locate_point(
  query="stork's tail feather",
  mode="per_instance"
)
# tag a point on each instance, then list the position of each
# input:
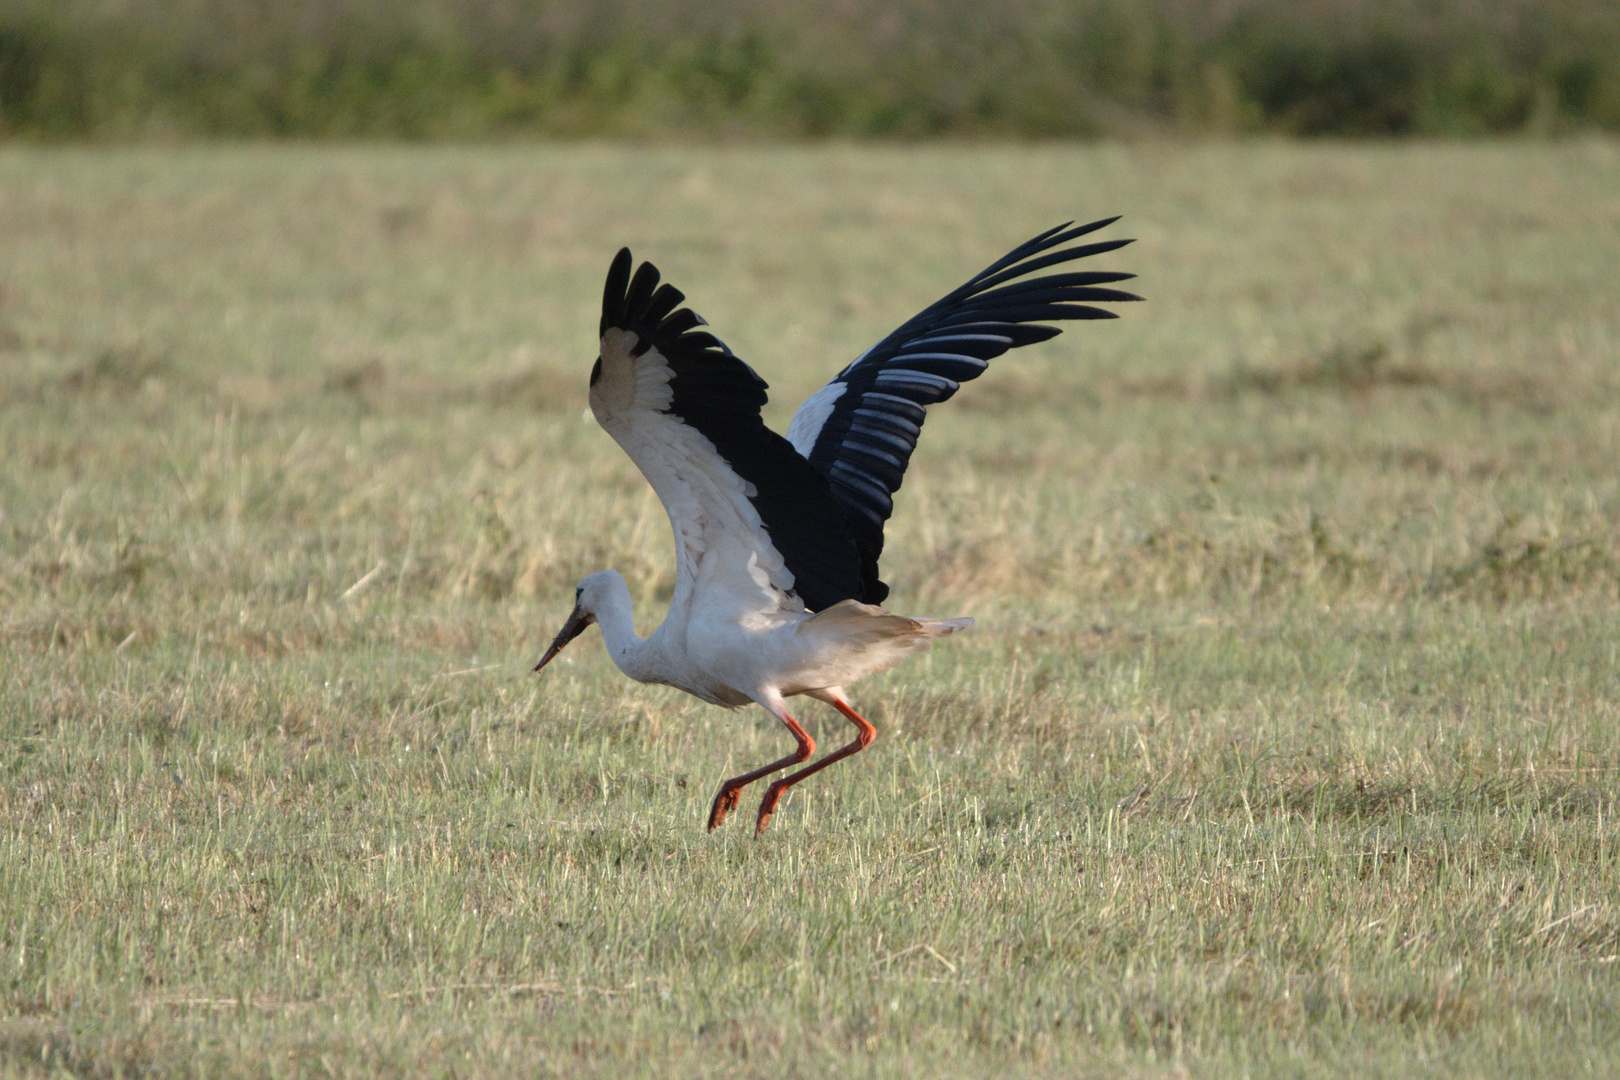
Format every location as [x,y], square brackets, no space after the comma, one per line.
[856,623]
[855,640]
[941,627]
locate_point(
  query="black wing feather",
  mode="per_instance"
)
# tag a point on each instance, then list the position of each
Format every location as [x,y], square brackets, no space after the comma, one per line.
[720,396]
[865,443]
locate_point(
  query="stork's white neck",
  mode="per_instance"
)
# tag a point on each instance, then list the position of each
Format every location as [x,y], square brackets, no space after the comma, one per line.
[614,614]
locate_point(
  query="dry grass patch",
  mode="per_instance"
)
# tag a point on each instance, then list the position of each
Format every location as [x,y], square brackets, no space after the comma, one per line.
[1287,742]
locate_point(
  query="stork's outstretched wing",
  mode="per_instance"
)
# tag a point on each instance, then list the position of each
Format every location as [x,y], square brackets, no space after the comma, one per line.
[859,430]
[753,521]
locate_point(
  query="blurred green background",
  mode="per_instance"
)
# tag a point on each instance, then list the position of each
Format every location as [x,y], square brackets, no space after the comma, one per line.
[474,69]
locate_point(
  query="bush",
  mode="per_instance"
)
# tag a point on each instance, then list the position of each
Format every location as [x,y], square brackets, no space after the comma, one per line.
[1027,68]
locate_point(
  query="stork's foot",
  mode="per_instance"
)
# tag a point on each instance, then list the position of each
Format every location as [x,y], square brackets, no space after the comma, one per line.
[724,803]
[767,805]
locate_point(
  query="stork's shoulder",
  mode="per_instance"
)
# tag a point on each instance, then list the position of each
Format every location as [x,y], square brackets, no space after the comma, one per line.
[627,383]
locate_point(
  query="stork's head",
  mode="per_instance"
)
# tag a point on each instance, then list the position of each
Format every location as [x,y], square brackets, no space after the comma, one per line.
[591,596]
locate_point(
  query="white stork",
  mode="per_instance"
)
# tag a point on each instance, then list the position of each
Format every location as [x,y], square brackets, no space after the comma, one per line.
[777,539]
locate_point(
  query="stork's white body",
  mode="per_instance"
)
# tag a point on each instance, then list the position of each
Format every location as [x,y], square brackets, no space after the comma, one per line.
[735,632]
[777,540]
[730,657]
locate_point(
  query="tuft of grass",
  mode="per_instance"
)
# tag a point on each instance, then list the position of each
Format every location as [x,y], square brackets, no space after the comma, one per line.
[1287,743]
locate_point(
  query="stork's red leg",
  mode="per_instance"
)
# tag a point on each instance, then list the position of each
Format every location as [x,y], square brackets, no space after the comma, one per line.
[864,734]
[726,801]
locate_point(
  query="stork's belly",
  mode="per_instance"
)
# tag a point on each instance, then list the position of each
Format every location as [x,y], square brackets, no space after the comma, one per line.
[724,695]
[714,693]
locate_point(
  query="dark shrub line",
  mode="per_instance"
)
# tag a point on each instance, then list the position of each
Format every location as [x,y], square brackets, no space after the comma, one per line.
[861,68]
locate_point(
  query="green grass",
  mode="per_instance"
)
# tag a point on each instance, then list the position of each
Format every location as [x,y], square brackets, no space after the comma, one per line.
[1287,743]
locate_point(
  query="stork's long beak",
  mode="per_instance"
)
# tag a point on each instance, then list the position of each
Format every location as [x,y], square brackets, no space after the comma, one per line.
[575,626]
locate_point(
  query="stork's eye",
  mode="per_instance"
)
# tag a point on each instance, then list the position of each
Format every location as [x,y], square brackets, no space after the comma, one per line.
[596,371]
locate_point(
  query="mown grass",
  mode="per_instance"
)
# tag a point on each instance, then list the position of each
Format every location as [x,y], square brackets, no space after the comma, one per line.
[1287,743]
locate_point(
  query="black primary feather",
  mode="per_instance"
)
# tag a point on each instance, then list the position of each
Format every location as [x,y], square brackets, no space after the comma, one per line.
[865,443]
[720,396]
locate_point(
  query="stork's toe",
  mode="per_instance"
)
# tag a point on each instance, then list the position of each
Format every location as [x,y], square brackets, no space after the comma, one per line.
[767,805]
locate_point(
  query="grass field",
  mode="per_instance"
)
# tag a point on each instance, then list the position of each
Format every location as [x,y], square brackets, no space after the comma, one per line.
[1287,743]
